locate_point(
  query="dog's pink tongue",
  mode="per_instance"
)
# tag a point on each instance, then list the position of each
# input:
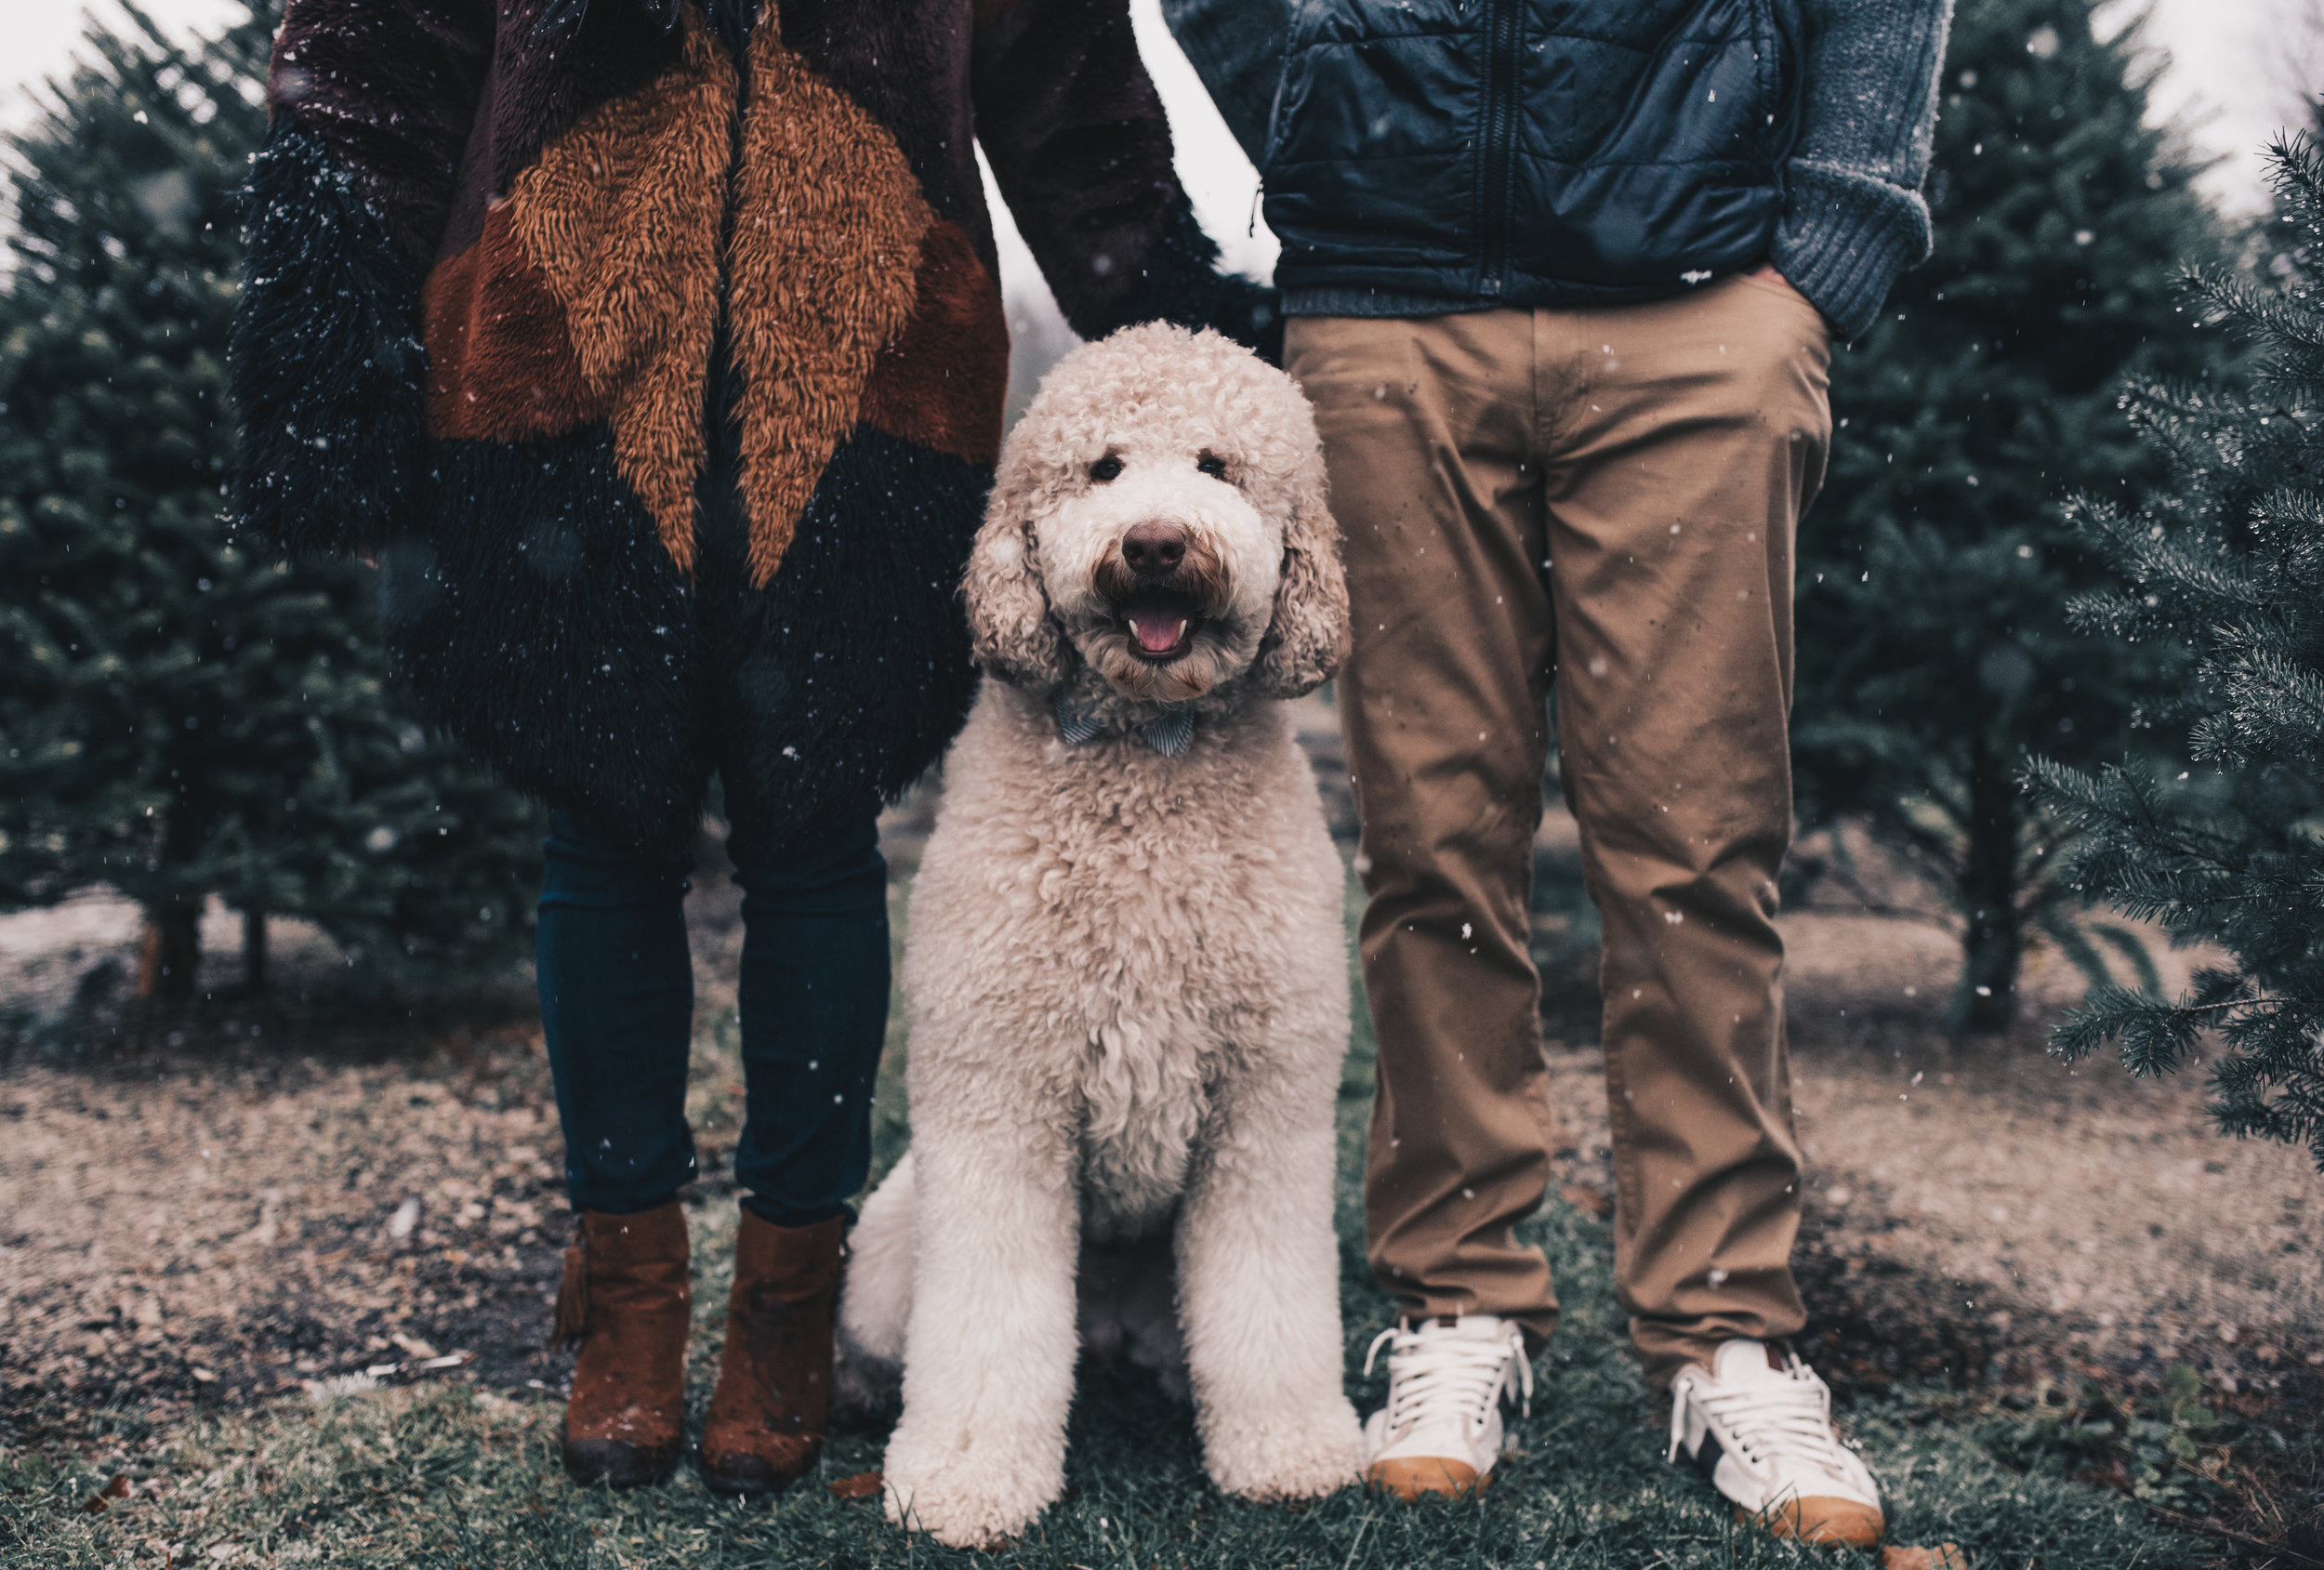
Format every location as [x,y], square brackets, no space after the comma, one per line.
[1157,631]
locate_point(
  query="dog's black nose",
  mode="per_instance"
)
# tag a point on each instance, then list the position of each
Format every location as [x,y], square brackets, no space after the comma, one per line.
[1153,550]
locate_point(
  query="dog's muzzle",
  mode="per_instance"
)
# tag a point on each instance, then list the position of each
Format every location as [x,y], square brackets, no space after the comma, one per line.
[1163,582]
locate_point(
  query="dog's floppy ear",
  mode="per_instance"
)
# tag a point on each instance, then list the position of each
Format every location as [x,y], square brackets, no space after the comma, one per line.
[1308,636]
[1012,635]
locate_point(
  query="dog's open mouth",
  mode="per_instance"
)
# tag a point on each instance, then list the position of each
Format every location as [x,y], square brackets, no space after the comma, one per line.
[1162,625]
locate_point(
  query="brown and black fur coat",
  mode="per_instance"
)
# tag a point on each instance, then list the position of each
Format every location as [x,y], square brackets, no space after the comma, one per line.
[656,349]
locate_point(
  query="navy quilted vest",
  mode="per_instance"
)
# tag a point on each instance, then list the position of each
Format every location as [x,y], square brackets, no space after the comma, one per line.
[1529,152]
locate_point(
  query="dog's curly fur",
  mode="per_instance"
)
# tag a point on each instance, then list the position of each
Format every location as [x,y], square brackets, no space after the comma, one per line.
[1127,977]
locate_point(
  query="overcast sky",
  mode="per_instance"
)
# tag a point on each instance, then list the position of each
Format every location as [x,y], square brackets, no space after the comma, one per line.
[2234,75]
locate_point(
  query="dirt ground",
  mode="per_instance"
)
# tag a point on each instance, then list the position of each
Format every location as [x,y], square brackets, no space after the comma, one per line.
[333,1184]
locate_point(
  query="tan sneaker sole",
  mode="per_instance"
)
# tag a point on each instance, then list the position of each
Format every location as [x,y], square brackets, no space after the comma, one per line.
[1818,1519]
[1411,1477]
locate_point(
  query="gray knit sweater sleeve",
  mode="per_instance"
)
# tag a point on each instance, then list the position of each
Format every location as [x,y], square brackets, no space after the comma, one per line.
[1854,216]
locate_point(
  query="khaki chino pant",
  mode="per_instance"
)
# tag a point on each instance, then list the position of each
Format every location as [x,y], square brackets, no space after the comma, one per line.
[1604,499]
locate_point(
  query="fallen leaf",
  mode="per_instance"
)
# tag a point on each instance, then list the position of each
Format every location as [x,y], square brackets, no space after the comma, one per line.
[863,1486]
[413,1344]
[1944,1556]
[1589,1199]
[116,1489]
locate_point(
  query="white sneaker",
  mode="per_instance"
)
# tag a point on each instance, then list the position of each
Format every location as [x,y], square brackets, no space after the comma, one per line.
[1759,1426]
[1441,1430]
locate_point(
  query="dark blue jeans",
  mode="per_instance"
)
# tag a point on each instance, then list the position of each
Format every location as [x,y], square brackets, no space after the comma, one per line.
[617,1007]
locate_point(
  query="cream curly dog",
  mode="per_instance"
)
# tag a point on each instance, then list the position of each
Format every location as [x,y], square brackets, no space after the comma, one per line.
[1127,977]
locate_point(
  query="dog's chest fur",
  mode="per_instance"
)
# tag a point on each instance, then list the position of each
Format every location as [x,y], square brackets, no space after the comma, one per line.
[1172,892]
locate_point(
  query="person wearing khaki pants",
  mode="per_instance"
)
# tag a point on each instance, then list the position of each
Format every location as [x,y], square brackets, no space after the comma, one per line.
[1600,503]
[1563,279]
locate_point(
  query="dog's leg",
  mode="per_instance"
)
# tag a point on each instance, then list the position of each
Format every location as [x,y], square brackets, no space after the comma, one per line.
[989,1348]
[1259,1283]
[876,1297]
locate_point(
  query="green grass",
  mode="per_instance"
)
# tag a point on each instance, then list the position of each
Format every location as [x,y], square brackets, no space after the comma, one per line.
[450,1476]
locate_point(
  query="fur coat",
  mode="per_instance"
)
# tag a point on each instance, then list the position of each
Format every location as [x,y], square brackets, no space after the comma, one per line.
[655,350]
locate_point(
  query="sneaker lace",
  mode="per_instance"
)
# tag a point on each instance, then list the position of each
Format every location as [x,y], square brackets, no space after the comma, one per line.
[1466,1374]
[1789,1420]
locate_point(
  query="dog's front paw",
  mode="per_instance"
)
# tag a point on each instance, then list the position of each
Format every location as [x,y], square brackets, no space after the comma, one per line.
[982,1497]
[1286,1454]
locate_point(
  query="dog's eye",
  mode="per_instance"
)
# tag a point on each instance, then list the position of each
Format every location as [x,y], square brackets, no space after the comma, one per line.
[1106,470]
[1212,465]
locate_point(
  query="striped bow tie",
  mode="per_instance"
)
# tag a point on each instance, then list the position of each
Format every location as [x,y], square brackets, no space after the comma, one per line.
[1167,736]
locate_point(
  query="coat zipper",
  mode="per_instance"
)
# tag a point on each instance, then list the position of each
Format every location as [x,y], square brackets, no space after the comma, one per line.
[1500,136]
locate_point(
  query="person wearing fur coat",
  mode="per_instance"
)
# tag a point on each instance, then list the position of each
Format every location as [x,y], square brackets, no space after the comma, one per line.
[654,351]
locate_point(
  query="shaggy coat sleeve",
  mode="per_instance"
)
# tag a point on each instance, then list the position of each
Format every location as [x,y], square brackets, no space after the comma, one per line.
[370,105]
[1081,152]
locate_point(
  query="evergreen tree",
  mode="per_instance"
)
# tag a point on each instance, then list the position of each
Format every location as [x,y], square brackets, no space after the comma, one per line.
[2227,562]
[181,714]
[1933,651]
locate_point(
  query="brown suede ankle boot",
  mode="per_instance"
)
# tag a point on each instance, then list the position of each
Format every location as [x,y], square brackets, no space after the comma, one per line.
[767,1415]
[627,1300]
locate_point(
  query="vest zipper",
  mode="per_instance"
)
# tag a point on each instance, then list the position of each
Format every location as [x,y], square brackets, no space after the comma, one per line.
[1500,136]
